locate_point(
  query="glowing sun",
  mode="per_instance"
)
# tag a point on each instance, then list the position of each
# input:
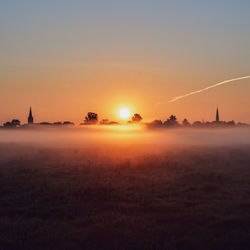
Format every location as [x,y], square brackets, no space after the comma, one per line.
[124,113]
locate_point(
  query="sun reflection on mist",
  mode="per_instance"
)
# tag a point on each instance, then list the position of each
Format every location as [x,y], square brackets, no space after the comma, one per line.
[125,128]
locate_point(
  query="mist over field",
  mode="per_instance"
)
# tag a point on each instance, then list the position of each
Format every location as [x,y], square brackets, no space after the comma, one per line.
[119,143]
[124,188]
[89,136]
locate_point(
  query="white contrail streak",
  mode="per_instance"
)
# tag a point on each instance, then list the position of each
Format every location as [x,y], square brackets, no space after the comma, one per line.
[207,88]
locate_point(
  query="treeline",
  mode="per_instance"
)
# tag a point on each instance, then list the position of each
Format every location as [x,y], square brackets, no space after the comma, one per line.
[172,122]
[93,119]
[15,123]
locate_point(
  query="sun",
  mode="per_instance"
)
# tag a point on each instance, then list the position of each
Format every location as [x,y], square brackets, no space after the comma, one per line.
[124,113]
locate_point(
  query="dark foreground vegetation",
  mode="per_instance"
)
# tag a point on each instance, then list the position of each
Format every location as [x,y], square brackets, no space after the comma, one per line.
[185,198]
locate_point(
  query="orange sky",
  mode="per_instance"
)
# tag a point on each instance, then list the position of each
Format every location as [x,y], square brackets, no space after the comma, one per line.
[100,58]
[68,93]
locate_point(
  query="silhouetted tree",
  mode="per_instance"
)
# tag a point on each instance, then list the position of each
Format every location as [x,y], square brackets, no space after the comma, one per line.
[155,124]
[231,123]
[13,124]
[171,121]
[172,118]
[7,124]
[197,124]
[136,118]
[91,118]
[186,123]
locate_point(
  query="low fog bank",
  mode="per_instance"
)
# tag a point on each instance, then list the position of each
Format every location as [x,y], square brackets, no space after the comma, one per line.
[89,137]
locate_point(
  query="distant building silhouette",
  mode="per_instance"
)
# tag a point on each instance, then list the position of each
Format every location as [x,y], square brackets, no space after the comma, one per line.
[217,115]
[30,118]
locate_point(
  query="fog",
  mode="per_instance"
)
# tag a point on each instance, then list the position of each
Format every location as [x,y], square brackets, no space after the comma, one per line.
[127,136]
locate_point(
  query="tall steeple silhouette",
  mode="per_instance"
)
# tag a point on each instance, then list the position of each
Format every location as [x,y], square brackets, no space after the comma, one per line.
[217,115]
[30,118]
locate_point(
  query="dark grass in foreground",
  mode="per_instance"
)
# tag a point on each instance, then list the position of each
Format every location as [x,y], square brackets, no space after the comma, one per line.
[184,198]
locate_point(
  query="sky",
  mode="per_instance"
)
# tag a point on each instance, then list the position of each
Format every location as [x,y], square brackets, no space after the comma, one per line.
[67,57]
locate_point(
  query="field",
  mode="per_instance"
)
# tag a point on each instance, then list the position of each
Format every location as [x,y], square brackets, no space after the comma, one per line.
[118,197]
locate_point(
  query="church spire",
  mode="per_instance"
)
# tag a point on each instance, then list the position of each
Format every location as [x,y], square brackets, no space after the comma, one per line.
[30,118]
[217,115]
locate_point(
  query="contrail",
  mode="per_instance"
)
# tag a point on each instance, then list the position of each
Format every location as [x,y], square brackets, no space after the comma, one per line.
[207,88]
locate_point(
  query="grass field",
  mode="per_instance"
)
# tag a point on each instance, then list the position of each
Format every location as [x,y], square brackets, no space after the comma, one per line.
[185,197]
